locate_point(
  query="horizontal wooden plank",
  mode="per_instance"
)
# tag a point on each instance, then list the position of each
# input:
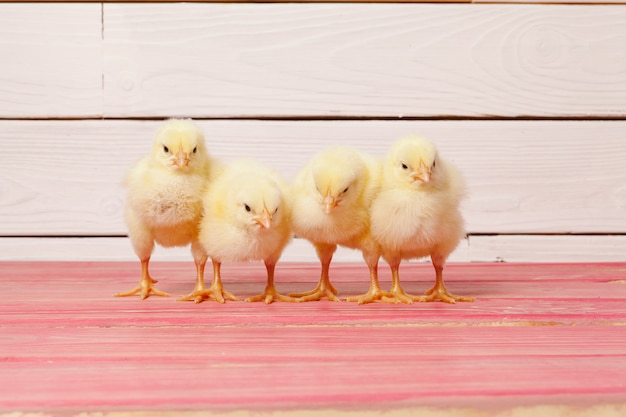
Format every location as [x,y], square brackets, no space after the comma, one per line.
[404,69]
[392,60]
[565,2]
[51,67]
[120,249]
[371,381]
[64,177]
[537,334]
[257,1]
[563,248]
[503,248]
[600,2]
[519,296]
[507,406]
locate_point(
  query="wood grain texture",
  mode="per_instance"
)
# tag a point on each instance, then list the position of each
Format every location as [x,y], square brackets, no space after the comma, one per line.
[390,60]
[538,334]
[51,67]
[500,248]
[557,248]
[523,176]
[120,249]
[564,2]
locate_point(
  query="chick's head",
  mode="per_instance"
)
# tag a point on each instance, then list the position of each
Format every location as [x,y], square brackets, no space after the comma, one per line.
[179,145]
[338,177]
[257,204]
[412,161]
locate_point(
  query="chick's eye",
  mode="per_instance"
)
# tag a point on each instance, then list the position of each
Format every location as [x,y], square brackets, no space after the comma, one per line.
[346,190]
[405,166]
[166,149]
[247,207]
[195,149]
[434,163]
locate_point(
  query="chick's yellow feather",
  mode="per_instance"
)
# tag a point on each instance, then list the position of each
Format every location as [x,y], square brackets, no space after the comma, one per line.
[331,200]
[164,198]
[237,203]
[247,217]
[417,211]
[332,194]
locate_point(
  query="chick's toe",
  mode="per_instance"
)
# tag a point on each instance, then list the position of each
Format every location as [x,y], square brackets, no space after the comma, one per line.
[440,293]
[270,295]
[376,295]
[144,289]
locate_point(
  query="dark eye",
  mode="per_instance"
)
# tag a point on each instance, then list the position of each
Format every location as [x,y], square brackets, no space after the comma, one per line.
[405,166]
[434,163]
[195,149]
[346,190]
[247,207]
[166,149]
[276,211]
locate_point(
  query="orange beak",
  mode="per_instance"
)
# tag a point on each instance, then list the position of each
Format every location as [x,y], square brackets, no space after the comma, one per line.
[422,175]
[329,204]
[264,219]
[182,160]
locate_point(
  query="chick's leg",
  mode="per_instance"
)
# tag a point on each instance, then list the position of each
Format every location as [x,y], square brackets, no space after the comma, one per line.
[215,292]
[324,288]
[146,284]
[374,293]
[439,290]
[396,293]
[271,294]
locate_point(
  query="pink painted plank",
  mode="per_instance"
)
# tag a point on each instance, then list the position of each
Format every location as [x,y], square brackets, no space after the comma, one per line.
[81,294]
[67,344]
[308,342]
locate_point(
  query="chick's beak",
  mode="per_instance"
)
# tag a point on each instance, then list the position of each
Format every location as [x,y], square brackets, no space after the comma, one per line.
[264,219]
[182,159]
[329,204]
[422,175]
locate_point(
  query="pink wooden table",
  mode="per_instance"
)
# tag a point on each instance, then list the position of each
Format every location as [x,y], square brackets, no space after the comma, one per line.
[550,335]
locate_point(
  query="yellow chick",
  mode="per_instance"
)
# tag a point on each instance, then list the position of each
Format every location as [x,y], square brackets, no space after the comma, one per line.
[164,201]
[247,217]
[331,200]
[416,213]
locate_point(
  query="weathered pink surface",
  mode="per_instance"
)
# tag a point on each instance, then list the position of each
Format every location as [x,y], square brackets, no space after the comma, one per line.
[537,333]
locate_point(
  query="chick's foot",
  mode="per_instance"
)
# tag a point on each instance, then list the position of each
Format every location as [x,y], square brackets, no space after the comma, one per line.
[323,290]
[372,296]
[270,295]
[440,293]
[319,294]
[397,296]
[219,295]
[144,289]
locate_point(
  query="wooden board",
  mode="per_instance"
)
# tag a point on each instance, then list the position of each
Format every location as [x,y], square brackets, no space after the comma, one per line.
[328,60]
[64,177]
[51,67]
[538,334]
[551,248]
[500,248]
[337,60]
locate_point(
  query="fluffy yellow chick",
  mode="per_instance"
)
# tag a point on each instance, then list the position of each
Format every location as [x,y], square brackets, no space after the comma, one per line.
[247,217]
[416,213]
[331,200]
[164,201]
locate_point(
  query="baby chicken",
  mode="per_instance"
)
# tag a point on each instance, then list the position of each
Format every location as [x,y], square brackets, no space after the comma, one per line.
[247,217]
[331,200]
[164,201]
[416,213]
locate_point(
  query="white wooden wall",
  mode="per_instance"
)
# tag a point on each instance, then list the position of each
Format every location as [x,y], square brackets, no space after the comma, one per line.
[528,100]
